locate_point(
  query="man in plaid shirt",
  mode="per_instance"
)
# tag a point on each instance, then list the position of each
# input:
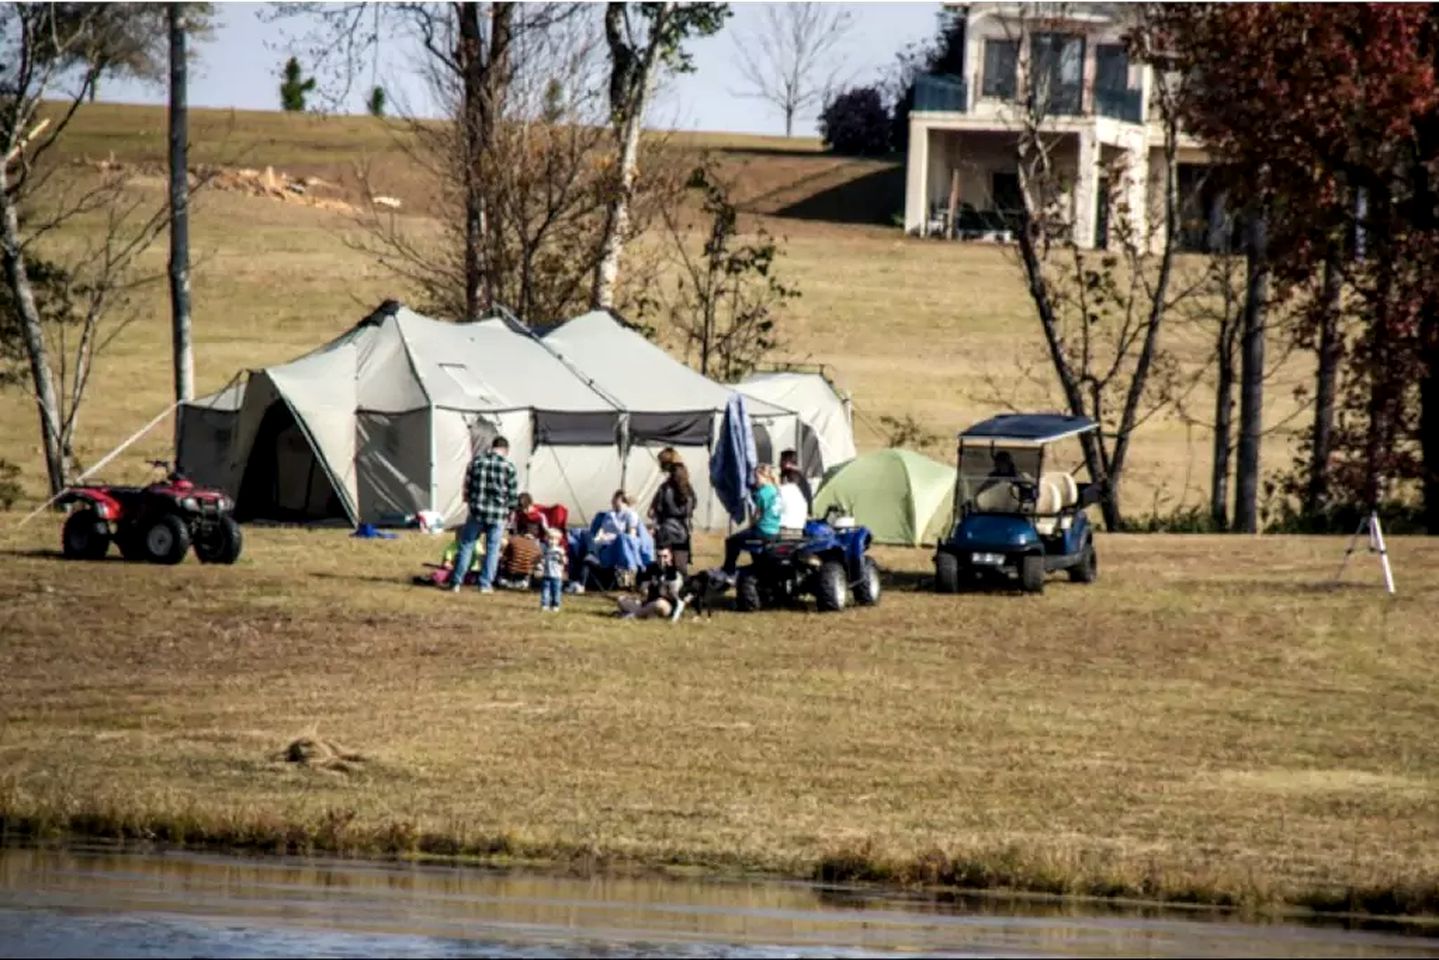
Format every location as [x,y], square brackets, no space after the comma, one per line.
[491,490]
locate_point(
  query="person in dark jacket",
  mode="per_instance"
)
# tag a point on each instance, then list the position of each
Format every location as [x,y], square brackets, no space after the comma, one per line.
[672,512]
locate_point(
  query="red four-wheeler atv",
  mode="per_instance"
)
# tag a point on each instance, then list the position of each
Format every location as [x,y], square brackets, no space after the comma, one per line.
[157,524]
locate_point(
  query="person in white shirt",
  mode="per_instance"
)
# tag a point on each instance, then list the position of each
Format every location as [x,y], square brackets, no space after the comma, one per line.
[793,507]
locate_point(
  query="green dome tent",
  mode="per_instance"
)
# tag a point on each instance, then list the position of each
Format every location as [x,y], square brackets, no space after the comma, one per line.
[904,498]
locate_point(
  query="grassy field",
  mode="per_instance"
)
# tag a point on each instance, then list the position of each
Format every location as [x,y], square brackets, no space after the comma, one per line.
[910,327]
[1208,723]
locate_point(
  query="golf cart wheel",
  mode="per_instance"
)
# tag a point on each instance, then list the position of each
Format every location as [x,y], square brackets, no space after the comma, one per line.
[746,590]
[946,573]
[82,539]
[167,540]
[224,546]
[831,587]
[1031,573]
[1087,569]
[866,589]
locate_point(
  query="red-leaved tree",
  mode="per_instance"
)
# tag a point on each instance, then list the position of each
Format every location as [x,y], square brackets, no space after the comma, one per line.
[1331,116]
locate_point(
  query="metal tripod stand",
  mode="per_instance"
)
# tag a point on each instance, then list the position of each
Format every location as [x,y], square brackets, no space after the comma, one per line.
[1370,526]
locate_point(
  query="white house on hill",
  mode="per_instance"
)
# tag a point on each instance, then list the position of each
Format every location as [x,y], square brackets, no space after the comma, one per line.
[962,158]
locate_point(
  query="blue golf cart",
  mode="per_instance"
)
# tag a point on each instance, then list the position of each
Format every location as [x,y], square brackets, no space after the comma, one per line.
[1019,512]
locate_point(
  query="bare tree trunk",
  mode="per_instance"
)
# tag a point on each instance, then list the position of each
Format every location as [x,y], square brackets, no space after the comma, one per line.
[471,59]
[179,216]
[789,120]
[628,116]
[46,400]
[1325,385]
[1223,431]
[1251,375]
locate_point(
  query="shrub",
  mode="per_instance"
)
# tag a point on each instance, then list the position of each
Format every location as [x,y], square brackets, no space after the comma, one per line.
[855,123]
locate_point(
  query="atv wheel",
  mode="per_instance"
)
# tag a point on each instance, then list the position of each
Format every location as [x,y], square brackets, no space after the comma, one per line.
[1031,573]
[866,590]
[167,540]
[946,573]
[82,539]
[1087,569]
[747,595]
[224,546]
[831,587]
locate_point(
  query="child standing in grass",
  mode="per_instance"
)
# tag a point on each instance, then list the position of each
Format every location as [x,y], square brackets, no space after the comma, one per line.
[552,569]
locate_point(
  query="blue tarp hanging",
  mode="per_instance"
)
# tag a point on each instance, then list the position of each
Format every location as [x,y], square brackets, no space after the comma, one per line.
[734,460]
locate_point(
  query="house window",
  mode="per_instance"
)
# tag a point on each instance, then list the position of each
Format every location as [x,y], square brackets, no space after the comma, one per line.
[1111,67]
[1057,71]
[1001,61]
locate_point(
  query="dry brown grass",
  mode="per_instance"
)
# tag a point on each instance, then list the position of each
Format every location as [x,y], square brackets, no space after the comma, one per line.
[1208,723]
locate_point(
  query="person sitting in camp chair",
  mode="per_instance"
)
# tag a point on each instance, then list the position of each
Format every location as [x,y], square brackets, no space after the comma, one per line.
[615,548]
[528,527]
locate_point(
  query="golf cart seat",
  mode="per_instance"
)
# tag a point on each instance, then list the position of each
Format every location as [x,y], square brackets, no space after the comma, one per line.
[1068,487]
[1047,507]
[999,498]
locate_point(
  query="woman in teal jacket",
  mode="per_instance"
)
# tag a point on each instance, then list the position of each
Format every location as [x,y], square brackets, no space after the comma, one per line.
[766,522]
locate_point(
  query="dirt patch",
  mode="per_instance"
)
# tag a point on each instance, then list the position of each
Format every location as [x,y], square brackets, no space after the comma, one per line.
[309,191]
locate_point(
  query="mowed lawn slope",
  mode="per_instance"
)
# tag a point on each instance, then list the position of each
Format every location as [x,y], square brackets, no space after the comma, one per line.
[912,328]
[1209,722]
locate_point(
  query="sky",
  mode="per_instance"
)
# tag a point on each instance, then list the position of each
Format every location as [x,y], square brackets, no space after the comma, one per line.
[240,67]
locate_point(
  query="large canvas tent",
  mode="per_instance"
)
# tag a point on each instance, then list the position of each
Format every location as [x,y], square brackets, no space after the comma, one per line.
[667,404]
[903,497]
[826,424]
[380,423]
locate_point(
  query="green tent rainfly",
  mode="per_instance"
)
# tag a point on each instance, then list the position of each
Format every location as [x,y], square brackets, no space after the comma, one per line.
[904,498]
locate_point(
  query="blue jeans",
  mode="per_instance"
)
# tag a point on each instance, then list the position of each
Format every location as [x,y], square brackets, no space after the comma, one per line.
[550,593]
[468,535]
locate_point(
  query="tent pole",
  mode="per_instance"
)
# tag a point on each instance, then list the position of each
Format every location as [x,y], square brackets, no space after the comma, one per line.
[434,480]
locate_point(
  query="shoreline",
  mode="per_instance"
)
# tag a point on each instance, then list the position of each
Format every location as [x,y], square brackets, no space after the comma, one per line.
[1002,875]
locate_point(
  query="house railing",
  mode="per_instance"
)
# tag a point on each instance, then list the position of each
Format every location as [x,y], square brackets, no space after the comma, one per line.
[1126,105]
[940,93]
[947,93]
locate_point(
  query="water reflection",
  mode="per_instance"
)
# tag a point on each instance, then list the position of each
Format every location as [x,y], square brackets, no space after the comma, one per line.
[98,901]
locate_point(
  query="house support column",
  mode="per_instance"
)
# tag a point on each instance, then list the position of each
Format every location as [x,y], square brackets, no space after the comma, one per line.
[1136,176]
[1086,190]
[916,178]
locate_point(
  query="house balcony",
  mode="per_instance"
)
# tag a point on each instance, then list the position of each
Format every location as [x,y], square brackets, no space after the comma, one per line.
[1126,105]
[946,93]
[940,93]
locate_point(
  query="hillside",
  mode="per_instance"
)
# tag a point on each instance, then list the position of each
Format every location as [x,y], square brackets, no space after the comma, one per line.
[940,332]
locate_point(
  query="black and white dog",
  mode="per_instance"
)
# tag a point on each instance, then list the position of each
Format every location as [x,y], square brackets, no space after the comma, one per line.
[702,591]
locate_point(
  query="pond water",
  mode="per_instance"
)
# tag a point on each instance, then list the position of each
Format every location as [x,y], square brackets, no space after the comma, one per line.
[96,901]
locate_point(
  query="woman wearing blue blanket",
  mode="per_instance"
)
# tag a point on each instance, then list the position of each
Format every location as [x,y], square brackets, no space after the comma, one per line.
[617,541]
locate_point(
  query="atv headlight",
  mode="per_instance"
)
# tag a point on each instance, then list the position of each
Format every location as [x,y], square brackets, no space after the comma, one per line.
[102,510]
[224,504]
[190,503]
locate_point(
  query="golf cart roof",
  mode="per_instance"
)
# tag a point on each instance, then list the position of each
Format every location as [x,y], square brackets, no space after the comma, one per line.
[1028,429]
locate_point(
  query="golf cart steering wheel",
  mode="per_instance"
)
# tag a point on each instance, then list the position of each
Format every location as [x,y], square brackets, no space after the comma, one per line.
[1025,491]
